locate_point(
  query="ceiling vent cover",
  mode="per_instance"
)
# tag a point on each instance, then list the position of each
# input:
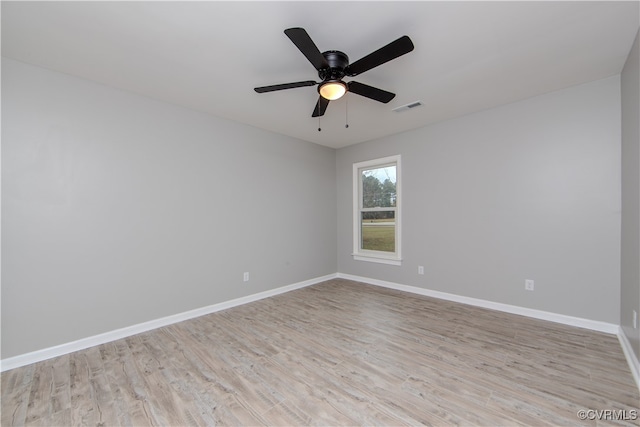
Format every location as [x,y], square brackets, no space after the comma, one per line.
[409,106]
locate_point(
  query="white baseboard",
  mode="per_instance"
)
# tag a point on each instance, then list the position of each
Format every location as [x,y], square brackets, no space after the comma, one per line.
[59,350]
[81,344]
[595,325]
[632,360]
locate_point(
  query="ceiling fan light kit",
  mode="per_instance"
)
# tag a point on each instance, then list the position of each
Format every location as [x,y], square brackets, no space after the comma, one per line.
[332,66]
[332,90]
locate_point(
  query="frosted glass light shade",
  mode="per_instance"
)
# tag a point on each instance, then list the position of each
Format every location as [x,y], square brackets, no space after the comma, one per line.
[333,90]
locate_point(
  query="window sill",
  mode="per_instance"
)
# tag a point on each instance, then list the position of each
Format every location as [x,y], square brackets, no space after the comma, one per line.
[377,259]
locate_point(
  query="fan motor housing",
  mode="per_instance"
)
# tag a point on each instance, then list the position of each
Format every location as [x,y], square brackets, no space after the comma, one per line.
[337,61]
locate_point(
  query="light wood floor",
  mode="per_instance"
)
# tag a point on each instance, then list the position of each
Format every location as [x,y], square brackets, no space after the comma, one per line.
[337,353]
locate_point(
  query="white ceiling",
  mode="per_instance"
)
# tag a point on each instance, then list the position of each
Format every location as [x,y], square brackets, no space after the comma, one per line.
[208,56]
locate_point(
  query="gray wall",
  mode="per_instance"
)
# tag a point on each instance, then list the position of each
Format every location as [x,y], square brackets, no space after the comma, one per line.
[118,209]
[630,263]
[530,190]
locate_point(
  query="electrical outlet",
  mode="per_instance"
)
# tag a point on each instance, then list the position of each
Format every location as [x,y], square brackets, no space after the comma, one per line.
[635,319]
[246,276]
[529,285]
[420,269]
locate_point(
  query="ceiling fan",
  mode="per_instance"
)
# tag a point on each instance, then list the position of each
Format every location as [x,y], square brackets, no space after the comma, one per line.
[333,65]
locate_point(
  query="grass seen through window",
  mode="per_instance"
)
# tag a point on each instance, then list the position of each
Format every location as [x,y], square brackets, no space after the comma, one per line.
[379,235]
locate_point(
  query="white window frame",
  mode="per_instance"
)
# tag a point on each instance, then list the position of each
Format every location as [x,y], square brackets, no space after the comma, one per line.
[359,254]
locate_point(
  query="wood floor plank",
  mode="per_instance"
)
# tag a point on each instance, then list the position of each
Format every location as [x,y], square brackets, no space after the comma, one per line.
[39,407]
[112,370]
[83,407]
[124,376]
[163,404]
[336,353]
[61,392]
[15,396]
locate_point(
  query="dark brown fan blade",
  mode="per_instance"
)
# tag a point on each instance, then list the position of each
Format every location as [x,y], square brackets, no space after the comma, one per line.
[384,54]
[301,39]
[370,92]
[321,107]
[271,88]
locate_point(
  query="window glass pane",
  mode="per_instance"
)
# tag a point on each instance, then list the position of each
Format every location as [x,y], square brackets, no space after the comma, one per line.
[378,231]
[379,187]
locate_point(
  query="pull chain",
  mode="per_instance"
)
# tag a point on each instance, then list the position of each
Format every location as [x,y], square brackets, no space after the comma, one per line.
[346,110]
[319,128]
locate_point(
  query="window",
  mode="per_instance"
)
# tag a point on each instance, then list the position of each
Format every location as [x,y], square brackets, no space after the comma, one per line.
[376,210]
